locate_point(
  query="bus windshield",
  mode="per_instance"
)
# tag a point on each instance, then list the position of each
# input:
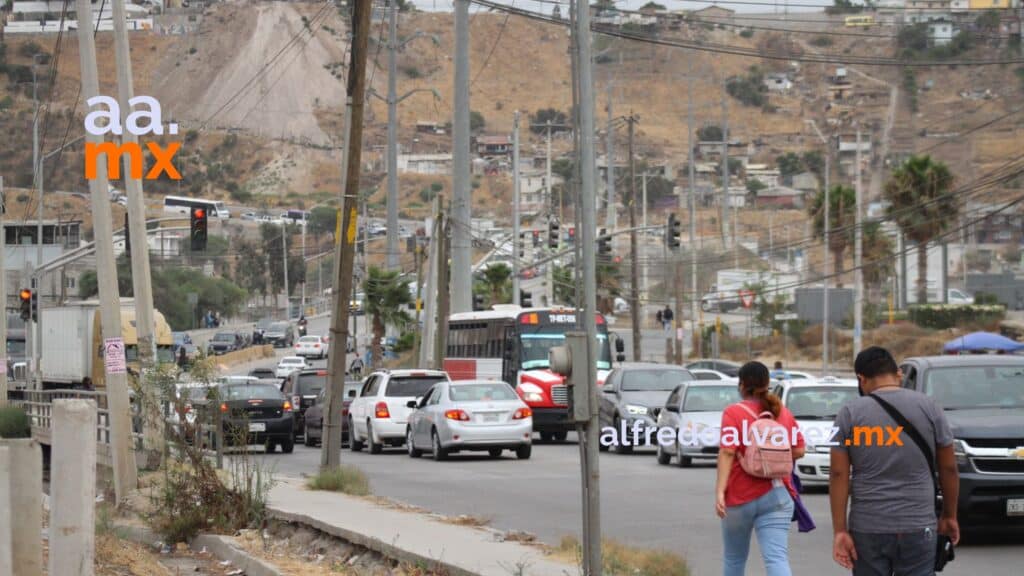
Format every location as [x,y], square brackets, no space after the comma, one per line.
[535,342]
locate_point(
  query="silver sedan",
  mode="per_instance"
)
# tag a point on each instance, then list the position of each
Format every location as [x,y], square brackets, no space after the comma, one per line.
[482,415]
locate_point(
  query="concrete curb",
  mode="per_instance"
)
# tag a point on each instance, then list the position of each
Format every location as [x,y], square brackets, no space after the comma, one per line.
[221,547]
[385,549]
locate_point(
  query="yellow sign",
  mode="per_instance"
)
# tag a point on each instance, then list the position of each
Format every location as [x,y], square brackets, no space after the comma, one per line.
[351,235]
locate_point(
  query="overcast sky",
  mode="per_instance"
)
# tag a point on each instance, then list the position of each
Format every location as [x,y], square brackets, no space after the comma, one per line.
[762,6]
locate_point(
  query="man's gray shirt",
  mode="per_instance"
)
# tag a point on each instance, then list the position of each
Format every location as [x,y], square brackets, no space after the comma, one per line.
[891,489]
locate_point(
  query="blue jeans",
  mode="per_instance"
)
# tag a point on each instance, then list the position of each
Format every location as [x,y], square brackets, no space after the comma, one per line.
[770,515]
[906,554]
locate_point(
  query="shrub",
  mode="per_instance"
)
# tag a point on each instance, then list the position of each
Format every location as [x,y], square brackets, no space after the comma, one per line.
[14,423]
[985,298]
[821,41]
[746,33]
[405,342]
[347,479]
[942,316]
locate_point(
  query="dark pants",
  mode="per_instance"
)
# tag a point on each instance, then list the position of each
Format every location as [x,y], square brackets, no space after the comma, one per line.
[904,554]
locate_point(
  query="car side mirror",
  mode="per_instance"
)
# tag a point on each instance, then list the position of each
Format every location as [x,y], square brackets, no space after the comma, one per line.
[608,389]
[672,408]
[412,404]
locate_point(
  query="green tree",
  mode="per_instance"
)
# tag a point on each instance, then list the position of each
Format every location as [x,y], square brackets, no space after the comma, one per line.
[498,280]
[539,119]
[653,6]
[842,207]
[922,205]
[878,249]
[814,162]
[386,301]
[323,220]
[476,121]
[273,249]
[789,164]
[709,133]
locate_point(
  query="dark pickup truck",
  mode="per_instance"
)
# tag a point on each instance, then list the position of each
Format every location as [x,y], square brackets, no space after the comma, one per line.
[983,398]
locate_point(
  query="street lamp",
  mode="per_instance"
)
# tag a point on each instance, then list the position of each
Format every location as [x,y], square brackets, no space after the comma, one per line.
[825,275]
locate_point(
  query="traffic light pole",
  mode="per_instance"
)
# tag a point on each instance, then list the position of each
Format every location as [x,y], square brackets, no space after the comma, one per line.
[515,208]
[3,296]
[634,250]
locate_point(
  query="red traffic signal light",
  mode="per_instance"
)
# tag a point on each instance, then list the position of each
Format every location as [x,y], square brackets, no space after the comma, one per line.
[26,294]
[199,213]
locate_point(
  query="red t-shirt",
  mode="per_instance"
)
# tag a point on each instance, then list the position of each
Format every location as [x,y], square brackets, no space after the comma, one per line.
[743,487]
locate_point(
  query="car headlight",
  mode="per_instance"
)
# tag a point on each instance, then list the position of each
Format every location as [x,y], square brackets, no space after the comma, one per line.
[634,410]
[531,392]
[960,451]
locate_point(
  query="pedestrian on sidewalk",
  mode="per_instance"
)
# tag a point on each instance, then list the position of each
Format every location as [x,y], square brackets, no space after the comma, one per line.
[659,318]
[667,317]
[356,367]
[746,502]
[778,373]
[891,526]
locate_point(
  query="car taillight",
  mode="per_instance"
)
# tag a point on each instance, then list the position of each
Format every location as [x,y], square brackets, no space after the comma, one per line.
[456,415]
[381,410]
[287,406]
[223,407]
[316,345]
[522,413]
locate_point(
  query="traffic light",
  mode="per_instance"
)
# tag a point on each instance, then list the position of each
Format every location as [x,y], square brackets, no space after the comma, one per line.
[604,243]
[26,304]
[673,230]
[525,299]
[198,229]
[554,233]
[522,245]
[478,302]
[572,235]
[127,236]
[35,306]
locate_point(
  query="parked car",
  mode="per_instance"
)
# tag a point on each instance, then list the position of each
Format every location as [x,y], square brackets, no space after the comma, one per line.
[705,374]
[302,387]
[311,347]
[290,364]
[236,379]
[695,407]
[224,342]
[814,404]
[257,414]
[380,413]
[314,421]
[263,373]
[469,415]
[730,369]
[280,334]
[635,392]
[983,398]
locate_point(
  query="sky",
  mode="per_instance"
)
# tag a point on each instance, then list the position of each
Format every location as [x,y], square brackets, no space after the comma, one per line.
[755,6]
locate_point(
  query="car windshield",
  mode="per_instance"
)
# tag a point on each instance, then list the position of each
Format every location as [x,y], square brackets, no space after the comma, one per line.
[483,392]
[310,339]
[411,386]
[535,346]
[707,376]
[965,387]
[709,398]
[278,327]
[292,361]
[311,384]
[654,379]
[15,348]
[819,402]
[251,392]
[224,337]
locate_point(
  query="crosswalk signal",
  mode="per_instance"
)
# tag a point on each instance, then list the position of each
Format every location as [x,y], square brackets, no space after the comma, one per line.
[673,231]
[35,306]
[554,233]
[526,299]
[26,304]
[198,227]
[604,243]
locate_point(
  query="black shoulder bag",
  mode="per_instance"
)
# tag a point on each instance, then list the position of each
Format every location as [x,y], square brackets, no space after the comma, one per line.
[944,552]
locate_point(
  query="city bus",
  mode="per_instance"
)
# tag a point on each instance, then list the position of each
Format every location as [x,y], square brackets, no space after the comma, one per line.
[863,20]
[511,344]
[182,205]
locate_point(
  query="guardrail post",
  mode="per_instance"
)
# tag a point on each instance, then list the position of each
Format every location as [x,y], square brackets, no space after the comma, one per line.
[73,488]
[24,477]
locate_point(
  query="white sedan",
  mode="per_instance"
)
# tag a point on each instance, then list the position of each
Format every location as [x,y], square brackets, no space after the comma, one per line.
[311,347]
[290,364]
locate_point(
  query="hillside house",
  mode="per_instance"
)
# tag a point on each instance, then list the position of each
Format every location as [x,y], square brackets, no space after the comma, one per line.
[533,191]
[941,32]
[712,150]
[425,163]
[493,145]
[805,182]
[780,197]
[59,238]
[427,127]
[776,82]
[997,227]
[763,174]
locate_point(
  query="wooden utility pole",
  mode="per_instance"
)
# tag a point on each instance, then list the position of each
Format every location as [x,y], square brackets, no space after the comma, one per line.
[634,252]
[331,453]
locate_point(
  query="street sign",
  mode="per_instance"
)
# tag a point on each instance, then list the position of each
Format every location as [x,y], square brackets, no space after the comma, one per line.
[787,316]
[747,298]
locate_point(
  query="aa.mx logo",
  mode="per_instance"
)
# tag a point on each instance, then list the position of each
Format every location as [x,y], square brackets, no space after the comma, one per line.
[140,122]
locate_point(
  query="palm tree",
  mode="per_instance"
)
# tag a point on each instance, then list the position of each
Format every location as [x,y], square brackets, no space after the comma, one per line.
[922,206]
[842,202]
[386,300]
[496,277]
[878,249]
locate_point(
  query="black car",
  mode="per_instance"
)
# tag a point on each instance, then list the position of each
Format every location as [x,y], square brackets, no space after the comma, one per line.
[314,427]
[983,399]
[224,342]
[280,334]
[264,374]
[637,392]
[302,388]
[256,413]
[730,369]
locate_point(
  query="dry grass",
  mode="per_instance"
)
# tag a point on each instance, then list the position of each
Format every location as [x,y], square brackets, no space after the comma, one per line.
[116,557]
[618,558]
[467,520]
[347,479]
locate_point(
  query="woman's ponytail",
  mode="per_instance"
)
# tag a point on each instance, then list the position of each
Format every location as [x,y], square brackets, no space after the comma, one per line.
[754,378]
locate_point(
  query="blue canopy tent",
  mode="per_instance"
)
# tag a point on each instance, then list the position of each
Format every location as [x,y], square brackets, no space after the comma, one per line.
[982,342]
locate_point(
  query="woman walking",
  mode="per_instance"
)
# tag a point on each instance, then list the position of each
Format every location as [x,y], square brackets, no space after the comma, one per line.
[754,490]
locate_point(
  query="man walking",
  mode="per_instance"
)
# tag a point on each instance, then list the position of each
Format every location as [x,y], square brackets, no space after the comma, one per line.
[890,528]
[666,317]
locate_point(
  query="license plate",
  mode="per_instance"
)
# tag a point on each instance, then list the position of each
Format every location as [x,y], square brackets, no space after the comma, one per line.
[257,427]
[1015,507]
[490,417]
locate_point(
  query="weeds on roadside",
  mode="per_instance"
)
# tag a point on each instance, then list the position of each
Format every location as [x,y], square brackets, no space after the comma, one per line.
[347,479]
[618,558]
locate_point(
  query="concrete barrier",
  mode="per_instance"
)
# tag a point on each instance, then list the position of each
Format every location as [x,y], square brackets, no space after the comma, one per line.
[244,355]
[25,483]
[73,488]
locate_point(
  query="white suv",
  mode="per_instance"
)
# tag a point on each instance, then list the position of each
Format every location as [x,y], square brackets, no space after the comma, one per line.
[380,413]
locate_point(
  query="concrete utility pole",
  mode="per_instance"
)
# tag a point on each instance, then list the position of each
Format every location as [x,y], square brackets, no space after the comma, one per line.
[634,251]
[723,211]
[305,268]
[142,281]
[515,208]
[610,218]
[37,171]
[547,178]
[588,221]
[858,253]
[444,297]
[331,452]
[3,297]
[392,201]
[692,176]
[125,473]
[433,290]
[826,253]
[284,264]
[461,214]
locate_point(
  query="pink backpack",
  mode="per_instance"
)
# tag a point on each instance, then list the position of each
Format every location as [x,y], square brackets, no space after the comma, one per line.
[765,456]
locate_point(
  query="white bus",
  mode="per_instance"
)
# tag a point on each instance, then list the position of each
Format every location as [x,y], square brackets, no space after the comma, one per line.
[182,205]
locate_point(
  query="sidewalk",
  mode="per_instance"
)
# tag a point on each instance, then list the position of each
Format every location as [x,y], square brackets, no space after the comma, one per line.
[409,536]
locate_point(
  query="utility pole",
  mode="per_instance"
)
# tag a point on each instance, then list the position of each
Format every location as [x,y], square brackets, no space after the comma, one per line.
[426,356]
[123,460]
[392,100]
[444,297]
[461,213]
[723,210]
[826,253]
[858,252]
[634,252]
[33,327]
[305,267]
[142,286]
[610,218]
[588,221]
[284,264]
[515,208]
[547,178]
[643,222]
[331,452]
[692,176]
[3,297]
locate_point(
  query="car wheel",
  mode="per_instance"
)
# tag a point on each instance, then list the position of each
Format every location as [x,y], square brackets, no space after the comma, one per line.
[307,440]
[560,436]
[683,461]
[621,447]
[663,457]
[354,443]
[523,452]
[546,437]
[439,451]
[494,452]
[410,447]
[288,446]
[270,447]
[371,439]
